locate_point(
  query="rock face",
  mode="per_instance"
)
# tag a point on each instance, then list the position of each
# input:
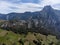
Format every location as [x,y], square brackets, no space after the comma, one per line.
[45,21]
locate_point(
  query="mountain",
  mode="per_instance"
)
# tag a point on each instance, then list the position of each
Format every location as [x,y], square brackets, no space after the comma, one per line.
[48,18]
[47,10]
[3,16]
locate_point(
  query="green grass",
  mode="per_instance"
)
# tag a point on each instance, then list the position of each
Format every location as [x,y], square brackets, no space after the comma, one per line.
[10,38]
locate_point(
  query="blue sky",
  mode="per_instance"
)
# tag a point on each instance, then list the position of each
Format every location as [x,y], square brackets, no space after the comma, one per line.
[20,6]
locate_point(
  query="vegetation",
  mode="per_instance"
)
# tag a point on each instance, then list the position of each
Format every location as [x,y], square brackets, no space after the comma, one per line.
[10,38]
[37,28]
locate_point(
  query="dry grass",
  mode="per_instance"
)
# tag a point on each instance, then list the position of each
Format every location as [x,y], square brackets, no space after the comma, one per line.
[10,38]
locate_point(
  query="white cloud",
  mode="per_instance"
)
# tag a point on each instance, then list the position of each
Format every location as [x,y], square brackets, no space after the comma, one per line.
[49,2]
[53,3]
[7,7]
[4,7]
[28,7]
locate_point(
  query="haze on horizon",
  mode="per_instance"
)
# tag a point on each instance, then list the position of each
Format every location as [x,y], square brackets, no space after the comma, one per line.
[19,6]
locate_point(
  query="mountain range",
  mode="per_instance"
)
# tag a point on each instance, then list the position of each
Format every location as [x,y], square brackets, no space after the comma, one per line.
[48,18]
[47,10]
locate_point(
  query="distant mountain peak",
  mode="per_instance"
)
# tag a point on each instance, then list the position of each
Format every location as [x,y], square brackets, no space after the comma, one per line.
[47,8]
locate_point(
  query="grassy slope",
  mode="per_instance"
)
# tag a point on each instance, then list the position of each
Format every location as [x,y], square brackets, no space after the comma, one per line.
[10,38]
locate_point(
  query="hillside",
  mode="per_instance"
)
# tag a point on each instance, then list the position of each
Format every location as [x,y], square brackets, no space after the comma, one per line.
[30,28]
[10,38]
[47,18]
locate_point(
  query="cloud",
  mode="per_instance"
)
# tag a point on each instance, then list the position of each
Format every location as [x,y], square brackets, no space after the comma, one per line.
[8,7]
[49,2]
[30,1]
[54,3]
[12,1]
[23,7]
[4,7]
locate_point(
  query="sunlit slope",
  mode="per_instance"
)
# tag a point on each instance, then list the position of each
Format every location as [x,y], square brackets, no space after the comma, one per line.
[10,38]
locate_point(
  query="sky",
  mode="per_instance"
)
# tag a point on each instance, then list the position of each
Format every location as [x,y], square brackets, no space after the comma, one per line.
[20,6]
